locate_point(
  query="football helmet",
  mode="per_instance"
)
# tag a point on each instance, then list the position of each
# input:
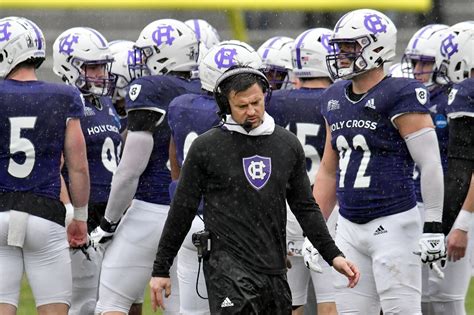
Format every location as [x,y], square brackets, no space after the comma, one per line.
[455,56]
[223,56]
[165,45]
[20,40]
[124,54]
[74,51]
[276,60]
[362,40]
[206,34]
[309,53]
[461,26]
[422,47]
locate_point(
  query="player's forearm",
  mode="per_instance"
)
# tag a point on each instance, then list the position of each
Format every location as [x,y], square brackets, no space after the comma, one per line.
[424,149]
[75,155]
[124,185]
[324,192]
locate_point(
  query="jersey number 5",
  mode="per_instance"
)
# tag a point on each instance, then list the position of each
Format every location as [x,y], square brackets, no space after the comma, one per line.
[21,145]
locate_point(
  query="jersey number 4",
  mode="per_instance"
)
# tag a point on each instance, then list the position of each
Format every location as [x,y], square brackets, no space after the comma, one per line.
[21,145]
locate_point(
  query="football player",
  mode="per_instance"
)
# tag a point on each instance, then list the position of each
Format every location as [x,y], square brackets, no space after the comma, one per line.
[455,61]
[82,59]
[206,35]
[296,110]
[166,54]
[190,115]
[376,128]
[39,122]
[276,59]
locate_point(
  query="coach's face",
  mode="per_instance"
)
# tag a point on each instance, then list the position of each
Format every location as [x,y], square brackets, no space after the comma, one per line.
[248,105]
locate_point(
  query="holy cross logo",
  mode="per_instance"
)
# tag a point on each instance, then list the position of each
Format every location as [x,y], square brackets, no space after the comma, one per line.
[374,24]
[257,170]
[325,42]
[163,35]
[4,33]
[448,46]
[65,44]
[224,58]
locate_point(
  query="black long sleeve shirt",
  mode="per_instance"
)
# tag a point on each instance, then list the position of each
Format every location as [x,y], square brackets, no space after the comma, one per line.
[247,214]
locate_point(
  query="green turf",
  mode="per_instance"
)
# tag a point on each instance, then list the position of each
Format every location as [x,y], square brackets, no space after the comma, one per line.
[27,303]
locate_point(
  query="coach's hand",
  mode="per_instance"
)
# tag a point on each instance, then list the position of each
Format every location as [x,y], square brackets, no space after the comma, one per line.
[348,269]
[157,285]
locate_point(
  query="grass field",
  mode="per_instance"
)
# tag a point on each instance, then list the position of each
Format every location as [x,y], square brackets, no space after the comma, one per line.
[27,303]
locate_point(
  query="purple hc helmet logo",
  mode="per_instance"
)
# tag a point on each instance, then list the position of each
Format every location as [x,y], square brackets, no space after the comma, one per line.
[163,35]
[373,23]
[224,58]
[331,49]
[65,45]
[448,47]
[257,170]
[4,33]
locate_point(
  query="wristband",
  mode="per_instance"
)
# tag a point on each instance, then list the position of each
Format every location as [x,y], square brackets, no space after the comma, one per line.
[463,221]
[80,213]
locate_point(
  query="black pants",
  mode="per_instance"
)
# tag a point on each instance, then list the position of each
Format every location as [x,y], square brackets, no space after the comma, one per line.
[234,288]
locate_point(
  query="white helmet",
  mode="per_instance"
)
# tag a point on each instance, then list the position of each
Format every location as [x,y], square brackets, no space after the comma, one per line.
[20,40]
[462,26]
[309,53]
[423,47]
[163,46]
[223,56]
[124,55]
[455,57]
[373,31]
[276,60]
[77,48]
[205,32]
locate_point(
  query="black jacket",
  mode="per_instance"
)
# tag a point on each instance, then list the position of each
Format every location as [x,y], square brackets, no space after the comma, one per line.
[248,215]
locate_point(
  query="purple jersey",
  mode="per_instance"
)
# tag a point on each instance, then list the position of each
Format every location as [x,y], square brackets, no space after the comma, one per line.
[375,173]
[32,133]
[189,116]
[155,93]
[101,129]
[461,99]
[297,111]
[439,102]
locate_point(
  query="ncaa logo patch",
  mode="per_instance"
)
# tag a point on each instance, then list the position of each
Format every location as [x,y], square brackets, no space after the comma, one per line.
[257,170]
[452,96]
[421,95]
[134,91]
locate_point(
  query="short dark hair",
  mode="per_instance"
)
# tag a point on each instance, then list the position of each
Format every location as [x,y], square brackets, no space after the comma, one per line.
[240,82]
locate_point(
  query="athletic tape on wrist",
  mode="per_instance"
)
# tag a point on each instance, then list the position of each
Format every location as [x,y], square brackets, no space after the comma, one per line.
[80,213]
[463,221]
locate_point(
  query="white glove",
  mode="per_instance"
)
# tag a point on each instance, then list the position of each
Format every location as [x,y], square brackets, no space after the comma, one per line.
[432,248]
[103,233]
[311,256]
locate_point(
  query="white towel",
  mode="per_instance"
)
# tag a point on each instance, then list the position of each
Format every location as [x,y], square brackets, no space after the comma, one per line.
[17,228]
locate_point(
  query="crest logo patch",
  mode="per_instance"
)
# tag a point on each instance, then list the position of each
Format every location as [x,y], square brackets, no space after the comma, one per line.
[257,170]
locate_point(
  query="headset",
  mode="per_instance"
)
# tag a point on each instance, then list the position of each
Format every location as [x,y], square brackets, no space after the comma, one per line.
[221,99]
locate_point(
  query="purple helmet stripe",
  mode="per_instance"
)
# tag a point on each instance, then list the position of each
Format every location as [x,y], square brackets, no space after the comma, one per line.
[197,29]
[298,49]
[101,38]
[267,49]
[38,34]
[426,28]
